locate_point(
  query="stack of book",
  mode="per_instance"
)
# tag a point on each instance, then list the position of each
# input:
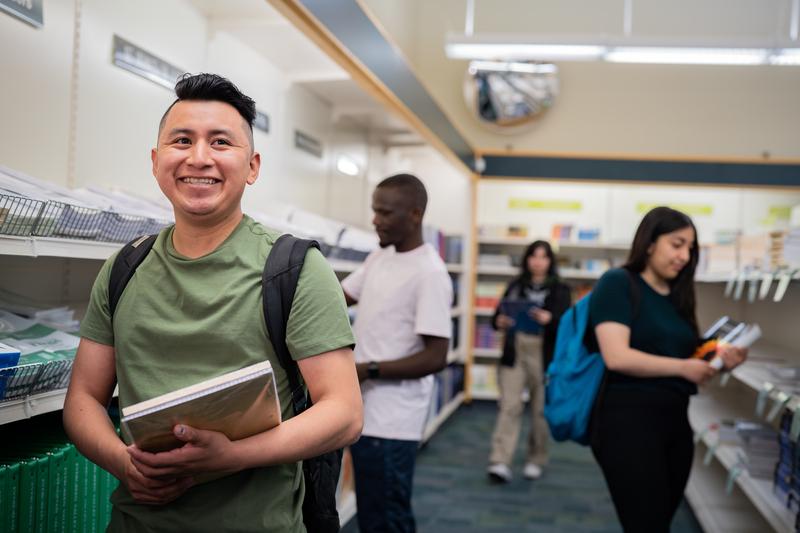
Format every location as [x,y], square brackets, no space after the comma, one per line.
[47,485]
[787,474]
[487,337]
[761,447]
[488,294]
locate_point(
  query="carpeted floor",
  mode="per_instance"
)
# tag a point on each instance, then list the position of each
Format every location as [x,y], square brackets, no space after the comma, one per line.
[452,493]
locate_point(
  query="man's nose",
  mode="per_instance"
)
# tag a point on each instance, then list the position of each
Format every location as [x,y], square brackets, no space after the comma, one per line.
[200,154]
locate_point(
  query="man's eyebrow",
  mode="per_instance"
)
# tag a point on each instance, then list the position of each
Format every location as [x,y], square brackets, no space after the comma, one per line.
[177,131]
[188,131]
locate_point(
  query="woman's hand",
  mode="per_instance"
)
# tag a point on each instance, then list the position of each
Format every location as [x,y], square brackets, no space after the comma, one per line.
[732,356]
[504,322]
[542,316]
[697,371]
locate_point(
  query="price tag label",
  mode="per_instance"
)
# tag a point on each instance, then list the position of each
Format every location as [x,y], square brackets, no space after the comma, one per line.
[763,395]
[737,293]
[766,285]
[734,473]
[780,402]
[783,284]
[709,454]
[752,289]
[698,436]
[724,379]
[729,284]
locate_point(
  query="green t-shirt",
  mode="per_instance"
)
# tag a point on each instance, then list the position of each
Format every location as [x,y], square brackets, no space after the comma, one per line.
[656,326]
[181,321]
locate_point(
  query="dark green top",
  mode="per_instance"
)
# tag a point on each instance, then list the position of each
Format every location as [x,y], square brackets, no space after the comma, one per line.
[656,326]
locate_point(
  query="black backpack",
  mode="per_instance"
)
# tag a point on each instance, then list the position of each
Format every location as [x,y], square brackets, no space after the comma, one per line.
[279,281]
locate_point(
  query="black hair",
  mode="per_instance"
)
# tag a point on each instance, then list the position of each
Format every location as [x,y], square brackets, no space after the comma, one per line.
[411,185]
[552,271]
[215,88]
[659,221]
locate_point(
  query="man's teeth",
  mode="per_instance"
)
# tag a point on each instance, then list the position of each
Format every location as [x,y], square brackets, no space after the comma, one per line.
[206,181]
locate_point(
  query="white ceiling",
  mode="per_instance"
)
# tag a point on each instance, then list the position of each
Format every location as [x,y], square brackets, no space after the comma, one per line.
[261,27]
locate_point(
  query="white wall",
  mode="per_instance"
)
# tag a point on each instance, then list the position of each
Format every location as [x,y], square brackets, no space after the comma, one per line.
[34,93]
[118,112]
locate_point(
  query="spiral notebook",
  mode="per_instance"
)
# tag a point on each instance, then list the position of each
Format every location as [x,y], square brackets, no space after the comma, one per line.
[239,404]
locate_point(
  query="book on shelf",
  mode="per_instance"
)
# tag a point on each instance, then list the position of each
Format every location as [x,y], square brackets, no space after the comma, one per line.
[239,404]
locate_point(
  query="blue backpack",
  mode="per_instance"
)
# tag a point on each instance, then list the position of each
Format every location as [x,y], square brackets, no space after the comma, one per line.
[575,376]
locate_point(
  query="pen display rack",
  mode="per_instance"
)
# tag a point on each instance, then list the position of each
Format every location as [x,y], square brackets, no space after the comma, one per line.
[29,217]
[24,380]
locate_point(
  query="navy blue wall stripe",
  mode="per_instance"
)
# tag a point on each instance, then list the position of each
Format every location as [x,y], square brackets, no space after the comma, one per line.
[353,28]
[631,170]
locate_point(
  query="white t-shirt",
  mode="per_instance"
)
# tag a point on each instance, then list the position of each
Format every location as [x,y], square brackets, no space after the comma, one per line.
[401,296]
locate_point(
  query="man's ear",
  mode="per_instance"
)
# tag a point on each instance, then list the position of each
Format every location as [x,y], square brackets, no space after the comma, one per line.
[255,166]
[154,159]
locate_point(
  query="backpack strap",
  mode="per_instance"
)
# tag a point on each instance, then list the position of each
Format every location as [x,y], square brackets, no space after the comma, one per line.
[125,264]
[279,281]
[636,293]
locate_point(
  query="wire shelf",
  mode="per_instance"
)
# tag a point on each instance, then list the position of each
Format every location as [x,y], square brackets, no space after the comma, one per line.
[28,217]
[23,380]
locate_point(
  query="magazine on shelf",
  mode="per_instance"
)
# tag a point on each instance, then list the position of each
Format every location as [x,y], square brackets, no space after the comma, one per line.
[239,404]
[726,331]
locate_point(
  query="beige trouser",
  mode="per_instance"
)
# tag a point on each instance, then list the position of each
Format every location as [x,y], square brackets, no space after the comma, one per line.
[527,371]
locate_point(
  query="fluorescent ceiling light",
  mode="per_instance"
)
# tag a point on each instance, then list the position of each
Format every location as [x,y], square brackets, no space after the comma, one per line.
[511,51]
[687,56]
[513,66]
[347,166]
[787,56]
[518,48]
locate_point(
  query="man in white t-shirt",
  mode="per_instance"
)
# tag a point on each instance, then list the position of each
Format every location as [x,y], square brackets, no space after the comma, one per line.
[402,331]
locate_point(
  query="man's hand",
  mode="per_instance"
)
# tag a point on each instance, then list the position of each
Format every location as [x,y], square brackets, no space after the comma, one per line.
[204,452]
[152,491]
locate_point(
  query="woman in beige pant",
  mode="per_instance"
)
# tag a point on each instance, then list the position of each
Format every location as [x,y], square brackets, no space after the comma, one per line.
[529,313]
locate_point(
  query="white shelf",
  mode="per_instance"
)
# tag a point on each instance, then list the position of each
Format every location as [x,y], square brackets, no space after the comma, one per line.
[30,406]
[576,273]
[455,268]
[525,241]
[704,411]
[498,270]
[443,415]
[755,371]
[484,311]
[37,404]
[347,509]
[456,312]
[487,353]
[52,247]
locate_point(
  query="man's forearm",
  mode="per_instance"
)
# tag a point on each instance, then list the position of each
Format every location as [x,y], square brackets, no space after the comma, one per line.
[418,365]
[89,427]
[327,425]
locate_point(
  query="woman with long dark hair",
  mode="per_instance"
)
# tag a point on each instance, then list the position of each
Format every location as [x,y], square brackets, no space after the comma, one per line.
[644,324]
[529,313]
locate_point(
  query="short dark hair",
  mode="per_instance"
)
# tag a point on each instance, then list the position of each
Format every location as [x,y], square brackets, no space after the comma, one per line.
[214,88]
[657,222]
[411,186]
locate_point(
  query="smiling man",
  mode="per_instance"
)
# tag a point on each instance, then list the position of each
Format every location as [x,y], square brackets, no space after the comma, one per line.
[192,312]
[402,328]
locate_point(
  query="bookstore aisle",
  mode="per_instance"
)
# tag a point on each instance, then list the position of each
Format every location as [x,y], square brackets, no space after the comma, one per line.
[452,493]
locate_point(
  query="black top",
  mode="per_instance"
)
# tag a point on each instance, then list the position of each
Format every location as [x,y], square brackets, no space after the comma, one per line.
[656,326]
[557,298]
